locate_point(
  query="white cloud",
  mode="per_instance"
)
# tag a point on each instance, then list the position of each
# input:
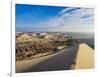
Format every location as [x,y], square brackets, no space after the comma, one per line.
[79,20]
[63,11]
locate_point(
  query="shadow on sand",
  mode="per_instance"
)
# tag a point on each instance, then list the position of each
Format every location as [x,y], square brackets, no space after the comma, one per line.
[62,61]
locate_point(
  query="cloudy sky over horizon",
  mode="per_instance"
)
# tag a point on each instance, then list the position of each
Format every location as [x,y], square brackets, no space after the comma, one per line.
[53,18]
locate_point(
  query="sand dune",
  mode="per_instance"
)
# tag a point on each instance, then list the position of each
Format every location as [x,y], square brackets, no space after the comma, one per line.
[60,60]
[25,64]
[84,60]
[85,57]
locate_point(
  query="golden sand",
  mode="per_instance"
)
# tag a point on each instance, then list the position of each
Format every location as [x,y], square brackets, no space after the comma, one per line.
[85,57]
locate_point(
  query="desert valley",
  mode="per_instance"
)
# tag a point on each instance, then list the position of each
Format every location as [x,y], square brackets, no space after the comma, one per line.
[36,47]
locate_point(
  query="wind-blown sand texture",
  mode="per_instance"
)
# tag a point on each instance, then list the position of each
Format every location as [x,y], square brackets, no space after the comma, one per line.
[85,57]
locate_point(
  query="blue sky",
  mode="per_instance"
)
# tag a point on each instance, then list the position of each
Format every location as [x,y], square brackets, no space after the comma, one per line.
[53,18]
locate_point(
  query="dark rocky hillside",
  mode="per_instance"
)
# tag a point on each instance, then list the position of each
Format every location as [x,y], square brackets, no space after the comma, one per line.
[28,45]
[28,49]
